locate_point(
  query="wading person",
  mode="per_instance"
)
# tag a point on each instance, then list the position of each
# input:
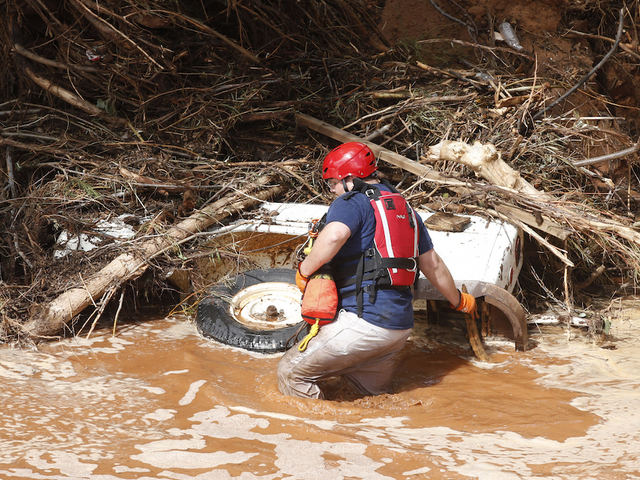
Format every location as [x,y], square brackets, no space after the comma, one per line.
[375,244]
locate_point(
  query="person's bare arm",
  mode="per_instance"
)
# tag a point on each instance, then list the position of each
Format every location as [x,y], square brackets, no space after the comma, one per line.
[439,275]
[330,240]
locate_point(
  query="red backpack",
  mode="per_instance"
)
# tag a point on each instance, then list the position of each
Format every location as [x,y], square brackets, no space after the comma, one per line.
[393,260]
[396,237]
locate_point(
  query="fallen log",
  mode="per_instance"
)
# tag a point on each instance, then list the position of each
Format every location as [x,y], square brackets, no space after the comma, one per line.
[50,319]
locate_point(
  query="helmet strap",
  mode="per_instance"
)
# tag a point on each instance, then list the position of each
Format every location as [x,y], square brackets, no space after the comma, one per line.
[358,183]
[344,185]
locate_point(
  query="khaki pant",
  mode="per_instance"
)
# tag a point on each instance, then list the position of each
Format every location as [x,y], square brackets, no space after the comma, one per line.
[361,352]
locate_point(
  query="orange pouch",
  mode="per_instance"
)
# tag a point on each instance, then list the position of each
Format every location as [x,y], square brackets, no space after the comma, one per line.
[320,300]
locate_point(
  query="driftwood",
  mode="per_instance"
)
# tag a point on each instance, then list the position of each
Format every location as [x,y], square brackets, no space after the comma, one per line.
[485,161]
[50,319]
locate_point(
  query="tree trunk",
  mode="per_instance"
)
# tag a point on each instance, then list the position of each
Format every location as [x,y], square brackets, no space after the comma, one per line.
[49,319]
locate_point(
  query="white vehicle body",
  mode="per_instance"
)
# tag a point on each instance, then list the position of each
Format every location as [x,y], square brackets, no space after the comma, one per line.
[485,252]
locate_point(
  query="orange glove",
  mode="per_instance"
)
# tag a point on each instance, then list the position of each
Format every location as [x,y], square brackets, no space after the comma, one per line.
[467,305]
[301,280]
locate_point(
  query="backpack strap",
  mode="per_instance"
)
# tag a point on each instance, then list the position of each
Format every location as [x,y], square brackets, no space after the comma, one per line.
[369,265]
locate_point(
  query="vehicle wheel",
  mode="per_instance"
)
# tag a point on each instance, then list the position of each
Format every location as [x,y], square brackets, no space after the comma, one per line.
[258,310]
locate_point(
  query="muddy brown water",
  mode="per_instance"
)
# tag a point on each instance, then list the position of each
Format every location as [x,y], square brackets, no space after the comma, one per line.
[157,401]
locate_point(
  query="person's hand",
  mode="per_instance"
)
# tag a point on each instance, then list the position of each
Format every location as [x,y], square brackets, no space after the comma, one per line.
[301,280]
[468,305]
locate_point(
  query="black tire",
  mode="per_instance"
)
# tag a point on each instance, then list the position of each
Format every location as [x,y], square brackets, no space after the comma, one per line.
[215,320]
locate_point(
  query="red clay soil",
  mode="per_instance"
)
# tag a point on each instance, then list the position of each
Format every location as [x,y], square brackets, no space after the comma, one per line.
[418,19]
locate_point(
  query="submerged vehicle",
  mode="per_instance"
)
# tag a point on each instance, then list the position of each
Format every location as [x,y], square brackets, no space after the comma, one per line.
[258,308]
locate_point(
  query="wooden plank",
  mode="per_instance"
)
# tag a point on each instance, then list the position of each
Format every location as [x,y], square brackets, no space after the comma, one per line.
[473,336]
[546,226]
[447,222]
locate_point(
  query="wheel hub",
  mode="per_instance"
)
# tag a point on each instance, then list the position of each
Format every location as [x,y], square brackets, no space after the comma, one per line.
[268,305]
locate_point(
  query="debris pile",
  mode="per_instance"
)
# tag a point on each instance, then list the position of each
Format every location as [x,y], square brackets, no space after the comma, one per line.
[147,112]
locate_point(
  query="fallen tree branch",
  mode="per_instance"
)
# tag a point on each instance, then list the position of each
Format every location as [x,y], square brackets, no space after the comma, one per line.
[49,319]
[67,96]
[588,75]
[51,63]
[608,157]
[26,111]
[33,148]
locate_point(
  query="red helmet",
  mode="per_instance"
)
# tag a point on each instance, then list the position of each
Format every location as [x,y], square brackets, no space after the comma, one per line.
[351,158]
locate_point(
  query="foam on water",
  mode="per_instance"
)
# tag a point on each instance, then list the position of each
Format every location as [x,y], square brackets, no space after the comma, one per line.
[158,401]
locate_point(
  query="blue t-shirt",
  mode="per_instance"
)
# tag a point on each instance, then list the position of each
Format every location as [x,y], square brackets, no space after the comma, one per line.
[393,308]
